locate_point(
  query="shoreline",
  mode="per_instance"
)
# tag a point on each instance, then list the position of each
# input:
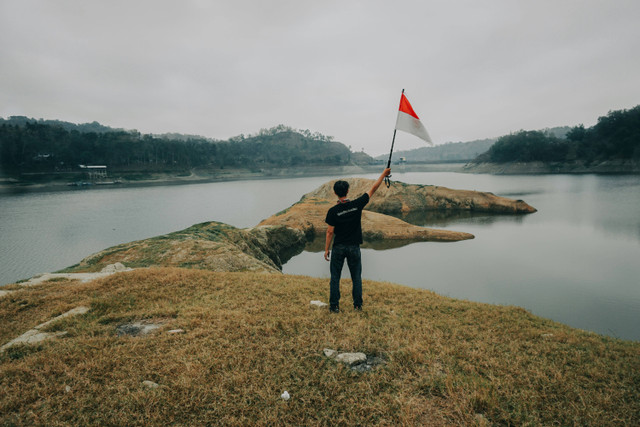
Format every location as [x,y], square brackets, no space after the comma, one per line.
[612,167]
[164,179]
[12,186]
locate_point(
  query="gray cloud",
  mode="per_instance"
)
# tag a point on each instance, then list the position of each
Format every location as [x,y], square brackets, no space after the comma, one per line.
[471,69]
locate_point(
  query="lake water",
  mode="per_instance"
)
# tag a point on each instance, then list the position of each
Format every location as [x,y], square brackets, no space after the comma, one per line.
[576,260]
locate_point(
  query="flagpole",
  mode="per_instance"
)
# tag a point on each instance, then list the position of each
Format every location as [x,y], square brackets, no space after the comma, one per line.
[387,181]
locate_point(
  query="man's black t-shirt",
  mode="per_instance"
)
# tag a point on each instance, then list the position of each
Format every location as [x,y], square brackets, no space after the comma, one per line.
[345,217]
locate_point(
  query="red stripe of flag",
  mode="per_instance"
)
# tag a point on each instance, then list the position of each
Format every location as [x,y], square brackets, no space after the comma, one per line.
[405,107]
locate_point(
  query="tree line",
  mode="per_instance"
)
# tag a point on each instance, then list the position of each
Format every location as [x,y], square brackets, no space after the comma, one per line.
[36,146]
[615,136]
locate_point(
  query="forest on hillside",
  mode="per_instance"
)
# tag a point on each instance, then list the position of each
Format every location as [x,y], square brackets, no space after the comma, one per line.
[451,152]
[615,136]
[29,146]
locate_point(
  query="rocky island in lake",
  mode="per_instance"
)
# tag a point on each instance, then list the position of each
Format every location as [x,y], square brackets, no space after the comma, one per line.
[381,217]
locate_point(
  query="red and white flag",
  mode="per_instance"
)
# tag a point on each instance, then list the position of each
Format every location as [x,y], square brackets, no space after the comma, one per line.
[408,121]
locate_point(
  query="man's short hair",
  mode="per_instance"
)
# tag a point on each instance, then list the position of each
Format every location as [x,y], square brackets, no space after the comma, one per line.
[341,188]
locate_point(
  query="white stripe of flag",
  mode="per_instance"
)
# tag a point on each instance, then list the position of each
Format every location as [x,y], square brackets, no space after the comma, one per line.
[408,121]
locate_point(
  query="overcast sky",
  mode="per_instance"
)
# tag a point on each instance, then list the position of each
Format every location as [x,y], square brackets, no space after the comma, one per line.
[471,69]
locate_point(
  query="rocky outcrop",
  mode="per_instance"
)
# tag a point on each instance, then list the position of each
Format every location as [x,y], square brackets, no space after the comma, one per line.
[82,277]
[403,198]
[39,333]
[359,362]
[309,213]
[212,245]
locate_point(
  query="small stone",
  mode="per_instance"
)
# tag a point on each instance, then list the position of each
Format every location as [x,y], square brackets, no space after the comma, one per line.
[481,420]
[372,362]
[330,353]
[34,335]
[375,361]
[285,395]
[67,389]
[115,268]
[176,331]
[136,329]
[73,312]
[150,384]
[362,367]
[351,358]
[319,303]
[3,293]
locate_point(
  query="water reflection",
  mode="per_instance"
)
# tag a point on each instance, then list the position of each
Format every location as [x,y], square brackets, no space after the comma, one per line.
[433,218]
[446,218]
[317,244]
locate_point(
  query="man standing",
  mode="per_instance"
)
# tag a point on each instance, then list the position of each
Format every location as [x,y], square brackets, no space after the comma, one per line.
[345,230]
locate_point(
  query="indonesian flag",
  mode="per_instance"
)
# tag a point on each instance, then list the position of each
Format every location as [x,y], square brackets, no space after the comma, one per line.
[408,121]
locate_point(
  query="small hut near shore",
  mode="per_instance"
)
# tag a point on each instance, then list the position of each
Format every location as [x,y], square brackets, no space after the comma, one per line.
[95,172]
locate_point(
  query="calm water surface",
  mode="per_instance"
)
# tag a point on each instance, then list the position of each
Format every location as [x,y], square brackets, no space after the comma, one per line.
[576,261]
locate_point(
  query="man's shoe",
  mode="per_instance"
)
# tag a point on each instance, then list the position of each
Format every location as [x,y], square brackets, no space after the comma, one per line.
[357,307]
[334,309]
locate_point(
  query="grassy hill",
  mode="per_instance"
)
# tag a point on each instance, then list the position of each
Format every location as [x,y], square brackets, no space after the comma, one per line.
[247,337]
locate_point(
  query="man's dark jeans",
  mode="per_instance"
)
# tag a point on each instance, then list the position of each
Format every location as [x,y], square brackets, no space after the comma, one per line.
[354,261]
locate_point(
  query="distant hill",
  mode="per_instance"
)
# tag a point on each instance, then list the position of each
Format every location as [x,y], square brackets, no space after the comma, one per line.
[84,127]
[172,136]
[458,151]
[615,136]
[449,152]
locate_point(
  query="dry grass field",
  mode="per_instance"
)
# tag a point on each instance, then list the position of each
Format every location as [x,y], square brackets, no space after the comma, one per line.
[247,337]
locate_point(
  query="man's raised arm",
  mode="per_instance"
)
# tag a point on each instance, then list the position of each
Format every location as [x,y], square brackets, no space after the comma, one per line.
[375,186]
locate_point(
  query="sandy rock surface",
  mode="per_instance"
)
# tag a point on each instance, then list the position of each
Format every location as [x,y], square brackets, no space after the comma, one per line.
[309,213]
[405,198]
[213,246]
[83,277]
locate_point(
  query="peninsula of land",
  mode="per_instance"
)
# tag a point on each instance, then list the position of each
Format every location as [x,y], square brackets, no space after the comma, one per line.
[266,247]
